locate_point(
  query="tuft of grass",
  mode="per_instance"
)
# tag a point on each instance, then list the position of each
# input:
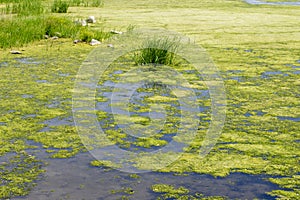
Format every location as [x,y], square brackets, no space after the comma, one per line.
[64,26]
[86,35]
[60,6]
[157,51]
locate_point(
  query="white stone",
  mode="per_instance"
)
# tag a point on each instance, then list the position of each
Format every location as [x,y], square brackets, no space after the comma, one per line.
[15,52]
[91,19]
[83,23]
[76,41]
[94,42]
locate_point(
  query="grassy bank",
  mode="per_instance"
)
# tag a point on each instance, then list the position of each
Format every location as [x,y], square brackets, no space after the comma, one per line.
[23,22]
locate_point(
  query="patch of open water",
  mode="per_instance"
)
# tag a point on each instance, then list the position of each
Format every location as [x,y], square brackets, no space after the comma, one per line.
[26,60]
[261,2]
[57,121]
[295,119]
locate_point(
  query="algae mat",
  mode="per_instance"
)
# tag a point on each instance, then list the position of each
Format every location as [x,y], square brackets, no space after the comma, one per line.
[255,47]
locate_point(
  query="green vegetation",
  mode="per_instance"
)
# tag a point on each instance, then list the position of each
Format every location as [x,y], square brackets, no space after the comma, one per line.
[18,174]
[157,51]
[60,6]
[181,193]
[32,22]
[23,7]
[86,3]
[254,140]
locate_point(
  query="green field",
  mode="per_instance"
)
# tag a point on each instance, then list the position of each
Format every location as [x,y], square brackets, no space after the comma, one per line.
[255,48]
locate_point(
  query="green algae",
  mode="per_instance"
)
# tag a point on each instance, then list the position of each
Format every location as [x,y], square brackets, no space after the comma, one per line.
[19,174]
[182,193]
[18,79]
[106,163]
[251,144]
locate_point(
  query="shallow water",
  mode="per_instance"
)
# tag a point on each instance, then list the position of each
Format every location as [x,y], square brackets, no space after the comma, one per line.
[26,60]
[257,2]
[295,119]
[73,178]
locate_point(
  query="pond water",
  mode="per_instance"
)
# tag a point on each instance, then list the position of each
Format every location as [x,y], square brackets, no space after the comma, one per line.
[258,2]
[74,178]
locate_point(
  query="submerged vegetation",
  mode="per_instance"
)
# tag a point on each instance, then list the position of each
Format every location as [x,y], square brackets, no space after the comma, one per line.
[260,71]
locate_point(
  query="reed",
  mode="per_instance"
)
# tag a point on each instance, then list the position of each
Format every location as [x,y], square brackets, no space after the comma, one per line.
[157,51]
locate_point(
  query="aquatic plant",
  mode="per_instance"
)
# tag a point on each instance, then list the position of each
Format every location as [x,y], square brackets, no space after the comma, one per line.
[157,51]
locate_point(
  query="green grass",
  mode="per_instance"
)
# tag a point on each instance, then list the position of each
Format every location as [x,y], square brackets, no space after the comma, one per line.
[23,7]
[60,6]
[157,51]
[20,31]
[86,3]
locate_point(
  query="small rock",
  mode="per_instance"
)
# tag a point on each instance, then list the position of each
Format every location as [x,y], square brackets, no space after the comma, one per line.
[54,38]
[15,52]
[94,42]
[46,36]
[76,41]
[116,32]
[110,45]
[83,23]
[91,20]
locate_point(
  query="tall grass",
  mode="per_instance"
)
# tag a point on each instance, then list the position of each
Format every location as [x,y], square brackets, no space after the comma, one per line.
[60,6]
[157,51]
[31,22]
[23,7]
[20,31]
[86,3]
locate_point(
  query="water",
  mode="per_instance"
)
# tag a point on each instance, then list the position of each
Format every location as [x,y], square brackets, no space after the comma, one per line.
[27,96]
[26,60]
[42,81]
[295,119]
[258,2]
[57,121]
[74,178]
[3,64]
[270,74]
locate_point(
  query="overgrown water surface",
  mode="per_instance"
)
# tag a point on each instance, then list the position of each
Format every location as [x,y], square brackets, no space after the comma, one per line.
[74,178]
[261,74]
